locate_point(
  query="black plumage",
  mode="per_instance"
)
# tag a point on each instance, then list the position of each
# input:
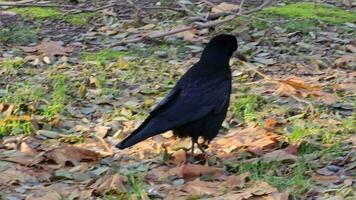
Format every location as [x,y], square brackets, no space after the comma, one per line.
[198,104]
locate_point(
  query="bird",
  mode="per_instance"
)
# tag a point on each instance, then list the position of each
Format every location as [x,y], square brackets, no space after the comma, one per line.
[198,103]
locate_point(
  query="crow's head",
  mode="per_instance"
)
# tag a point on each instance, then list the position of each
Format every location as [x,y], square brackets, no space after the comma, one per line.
[223,43]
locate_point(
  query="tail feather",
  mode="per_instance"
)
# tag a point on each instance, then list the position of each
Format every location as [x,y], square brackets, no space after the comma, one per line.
[147,129]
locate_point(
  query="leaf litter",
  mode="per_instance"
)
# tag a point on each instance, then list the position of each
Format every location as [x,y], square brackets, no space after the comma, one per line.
[70,153]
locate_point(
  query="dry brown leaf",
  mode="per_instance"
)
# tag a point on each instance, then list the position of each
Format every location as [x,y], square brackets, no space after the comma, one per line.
[351,48]
[274,196]
[325,180]
[270,123]
[179,157]
[72,154]
[234,181]
[252,137]
[188,35]
[345,61]
[102,131]
[295,86]
[112,183]
[259,191]
[190,171]
[198,187]
[50,48]
[224,7]
[160,174]
[52,195]
[279,155]
[14,176]
[26,159]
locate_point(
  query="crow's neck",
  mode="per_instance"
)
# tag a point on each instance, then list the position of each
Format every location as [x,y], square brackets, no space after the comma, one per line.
[215,60]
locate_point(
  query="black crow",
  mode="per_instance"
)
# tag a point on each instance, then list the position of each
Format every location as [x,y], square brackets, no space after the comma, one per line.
[198,103]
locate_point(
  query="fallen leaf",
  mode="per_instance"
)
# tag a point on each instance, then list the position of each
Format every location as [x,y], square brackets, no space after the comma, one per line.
[325,180]
[234,181]
[26,159]
[191,171]
[52,195]
[188,35]
[198,187]
[325,171]
[270,123]
[50,48]
[113,183]
[295,86]
[72,154]
[260,191]
[253,137]
[351,48]
[179,157]
[345,61]
[279,155]
[101,131]
[224,7]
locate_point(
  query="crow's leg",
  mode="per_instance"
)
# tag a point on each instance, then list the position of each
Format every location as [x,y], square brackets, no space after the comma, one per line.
[202,146]
[191,157]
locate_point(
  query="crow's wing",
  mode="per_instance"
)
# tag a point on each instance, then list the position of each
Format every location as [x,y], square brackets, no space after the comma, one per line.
[188,101]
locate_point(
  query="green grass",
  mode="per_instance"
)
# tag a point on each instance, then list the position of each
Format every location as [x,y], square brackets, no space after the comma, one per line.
[246,107]
[103,56]
[14,127]
[11,66]
[301,17]
[311,11]
[59,97]
[81,19]
[23,94]
[293,179]
[38,13]
[18,35]
[41,14]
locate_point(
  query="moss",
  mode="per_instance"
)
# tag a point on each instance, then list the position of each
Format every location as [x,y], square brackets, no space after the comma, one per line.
[81,19]
[311,11]
[38,13]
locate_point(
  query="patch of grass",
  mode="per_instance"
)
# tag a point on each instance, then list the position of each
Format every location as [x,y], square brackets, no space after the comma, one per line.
[23,94]
[291,177]
[14,127]
[301,17]
[312,11]
[59,96]
[10,66]
[103,55]
[41,14]
[18,35]
[38,13]
[246,106]
[137,187]
[81,19]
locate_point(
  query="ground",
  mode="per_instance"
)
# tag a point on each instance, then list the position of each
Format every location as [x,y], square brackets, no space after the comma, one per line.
[70,90]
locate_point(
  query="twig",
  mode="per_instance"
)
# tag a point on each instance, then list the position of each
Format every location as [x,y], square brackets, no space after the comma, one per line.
[154,35]
[75,8]
[191,12]
[240,7]
[196,25]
